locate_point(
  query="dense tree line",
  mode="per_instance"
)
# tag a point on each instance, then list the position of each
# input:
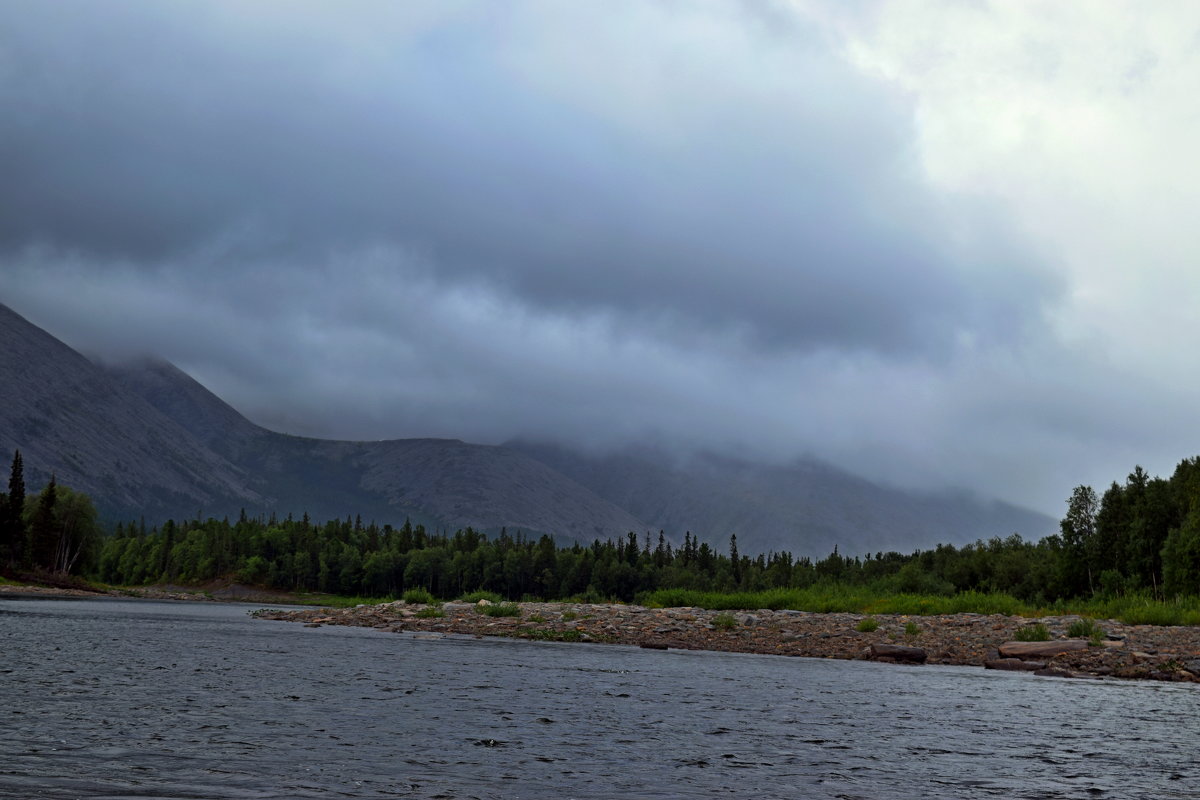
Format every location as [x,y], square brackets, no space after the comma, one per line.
[1140,536]
[348,557]
[54,531]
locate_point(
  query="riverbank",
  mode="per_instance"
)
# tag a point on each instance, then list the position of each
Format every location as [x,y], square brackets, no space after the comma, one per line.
[213,592]
[1126,651]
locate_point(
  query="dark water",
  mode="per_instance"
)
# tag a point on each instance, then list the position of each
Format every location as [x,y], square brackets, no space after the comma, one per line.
[124,699]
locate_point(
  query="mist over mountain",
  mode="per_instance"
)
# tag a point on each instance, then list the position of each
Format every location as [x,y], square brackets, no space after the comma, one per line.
[805,507]
[144,438]
[440,482]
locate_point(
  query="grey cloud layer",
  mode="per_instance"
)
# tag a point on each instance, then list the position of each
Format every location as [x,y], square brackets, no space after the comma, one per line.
[593,221]
[787,214]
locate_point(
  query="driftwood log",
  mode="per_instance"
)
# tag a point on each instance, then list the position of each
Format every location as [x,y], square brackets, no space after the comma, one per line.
[1024,650]
[898,652]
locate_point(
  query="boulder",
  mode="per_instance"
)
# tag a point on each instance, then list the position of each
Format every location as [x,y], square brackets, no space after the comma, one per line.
[1041,649]
[898,652]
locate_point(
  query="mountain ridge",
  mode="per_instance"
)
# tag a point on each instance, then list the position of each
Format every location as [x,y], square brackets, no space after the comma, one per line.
[144,437]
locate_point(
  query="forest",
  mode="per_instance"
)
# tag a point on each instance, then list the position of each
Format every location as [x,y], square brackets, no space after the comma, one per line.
[1140,537]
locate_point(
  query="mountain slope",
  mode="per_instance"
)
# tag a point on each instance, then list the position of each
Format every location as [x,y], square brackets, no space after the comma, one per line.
[68,416]
[145,438]
[806,507]
[436,481]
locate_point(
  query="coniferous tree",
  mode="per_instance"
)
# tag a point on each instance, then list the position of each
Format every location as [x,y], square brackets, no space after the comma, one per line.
[12,519]
[735,560]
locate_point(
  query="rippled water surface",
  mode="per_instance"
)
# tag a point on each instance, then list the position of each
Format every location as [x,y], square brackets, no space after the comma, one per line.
[135,699]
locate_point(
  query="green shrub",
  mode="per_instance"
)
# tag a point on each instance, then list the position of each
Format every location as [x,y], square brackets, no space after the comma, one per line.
[590,597]
[911,579]
[828,598]
[1084,629]
[724,622]
[569,615]
[339,601]
[475,597]
[431,612]
[501,610]
[417,596]
[912,629]
[867,625]
[1033,633]
[537,618]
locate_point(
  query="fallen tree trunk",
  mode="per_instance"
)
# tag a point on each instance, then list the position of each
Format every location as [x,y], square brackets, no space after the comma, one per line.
[1042,649]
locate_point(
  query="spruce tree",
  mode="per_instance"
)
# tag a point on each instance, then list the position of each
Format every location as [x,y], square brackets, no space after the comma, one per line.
[12,526]
[735,560]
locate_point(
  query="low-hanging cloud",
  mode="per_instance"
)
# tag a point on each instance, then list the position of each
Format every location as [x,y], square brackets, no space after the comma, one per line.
[768,190]
[594,222]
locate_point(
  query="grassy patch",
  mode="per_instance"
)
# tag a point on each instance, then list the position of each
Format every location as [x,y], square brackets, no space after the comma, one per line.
[867,625]
[833,598]
[1132,609]
[430,612]
[1136,609]
[724,622]
[569,615]
[1085,629]
[337,600]
[912,629]
[475,597]
[501,610]
[417,596]
[1032,633]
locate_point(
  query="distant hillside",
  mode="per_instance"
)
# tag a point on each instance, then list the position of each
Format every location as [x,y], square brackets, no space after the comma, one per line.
[146,439]
[806,507]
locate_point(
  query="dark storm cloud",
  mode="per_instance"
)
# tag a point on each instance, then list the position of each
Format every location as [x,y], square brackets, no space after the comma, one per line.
[600,223]
[784,212]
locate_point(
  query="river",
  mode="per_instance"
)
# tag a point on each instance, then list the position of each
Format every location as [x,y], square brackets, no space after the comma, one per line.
[114,699]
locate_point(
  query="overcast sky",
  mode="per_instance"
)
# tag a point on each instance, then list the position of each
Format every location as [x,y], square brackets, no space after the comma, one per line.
[934,243]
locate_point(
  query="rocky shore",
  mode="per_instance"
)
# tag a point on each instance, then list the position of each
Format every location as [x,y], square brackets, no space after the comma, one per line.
[214,592]
[1120,651]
